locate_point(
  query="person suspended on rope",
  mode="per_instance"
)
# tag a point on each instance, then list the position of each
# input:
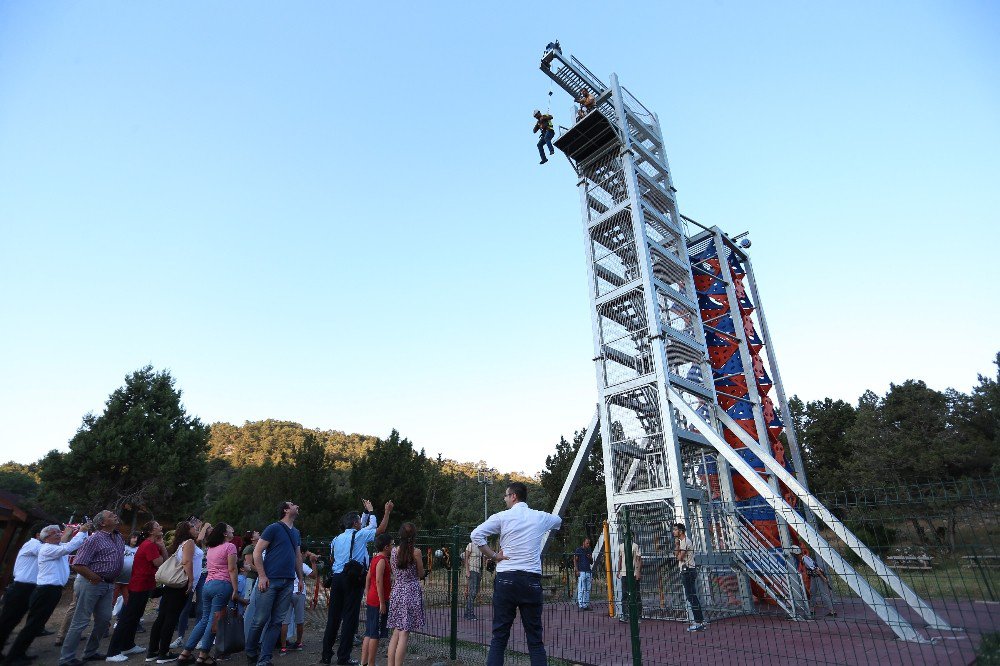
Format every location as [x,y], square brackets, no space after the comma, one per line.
[544,125]
[587,103]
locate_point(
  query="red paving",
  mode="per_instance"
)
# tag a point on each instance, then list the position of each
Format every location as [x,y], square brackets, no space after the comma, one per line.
[857,636]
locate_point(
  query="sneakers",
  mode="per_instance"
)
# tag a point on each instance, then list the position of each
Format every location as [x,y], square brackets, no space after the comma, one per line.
[135,649]
[178,642]
[544,160]
[696,627]
[150,658]
[118,658]
[168,658]
[471,617]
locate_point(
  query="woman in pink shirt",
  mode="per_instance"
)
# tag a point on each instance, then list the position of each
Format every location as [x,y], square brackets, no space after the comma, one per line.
[219,590]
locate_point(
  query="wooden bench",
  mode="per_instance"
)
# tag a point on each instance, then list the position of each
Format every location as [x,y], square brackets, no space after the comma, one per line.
[982,560]
[919,562]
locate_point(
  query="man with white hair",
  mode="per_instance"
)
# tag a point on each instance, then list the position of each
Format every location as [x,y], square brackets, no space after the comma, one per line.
[53,572]
[98,563]
[18,593]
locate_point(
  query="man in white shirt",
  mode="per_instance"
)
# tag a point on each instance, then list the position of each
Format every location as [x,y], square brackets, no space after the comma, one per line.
[636,579]
[53,572]
[518,583]
[819,584]
[18,593]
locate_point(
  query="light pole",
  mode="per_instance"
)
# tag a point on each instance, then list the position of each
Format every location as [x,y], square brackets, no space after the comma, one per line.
[485,477]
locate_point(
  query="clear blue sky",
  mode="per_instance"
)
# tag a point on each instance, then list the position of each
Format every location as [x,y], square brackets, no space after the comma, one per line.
[333,212]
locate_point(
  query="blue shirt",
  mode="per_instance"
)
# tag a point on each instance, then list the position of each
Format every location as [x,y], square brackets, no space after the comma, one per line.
[583,559]
[342,543]
[282,545]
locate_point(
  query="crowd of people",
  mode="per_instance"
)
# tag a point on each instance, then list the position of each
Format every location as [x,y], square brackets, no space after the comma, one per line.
[249,593]
[252,587]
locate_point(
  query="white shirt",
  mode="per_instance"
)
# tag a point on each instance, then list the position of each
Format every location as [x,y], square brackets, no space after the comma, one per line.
[53,560]
[521,529]
[306,571]
[26,564]
[809,563]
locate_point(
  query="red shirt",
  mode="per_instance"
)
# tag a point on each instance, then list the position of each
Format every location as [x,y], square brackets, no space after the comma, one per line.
[372,599]
[143,570]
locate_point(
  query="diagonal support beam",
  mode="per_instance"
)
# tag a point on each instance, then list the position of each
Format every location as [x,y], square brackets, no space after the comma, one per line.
[853,542]
[861,587]
[573,478]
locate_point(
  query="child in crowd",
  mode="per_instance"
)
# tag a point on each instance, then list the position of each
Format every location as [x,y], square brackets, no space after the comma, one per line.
[378,587]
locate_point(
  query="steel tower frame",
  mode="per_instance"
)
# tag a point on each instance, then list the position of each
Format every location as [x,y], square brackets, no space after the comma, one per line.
[658,413]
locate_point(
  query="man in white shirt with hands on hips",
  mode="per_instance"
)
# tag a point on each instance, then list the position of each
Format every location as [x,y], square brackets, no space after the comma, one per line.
[518,583]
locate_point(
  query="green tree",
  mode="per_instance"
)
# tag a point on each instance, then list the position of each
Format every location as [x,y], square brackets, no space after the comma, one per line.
[303,475]
[143,454]
[977,418]
[19,479]
[391,469]
[821,427]
[440,489]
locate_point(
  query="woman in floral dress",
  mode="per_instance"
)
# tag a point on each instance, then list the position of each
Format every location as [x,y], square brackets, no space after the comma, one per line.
[406,602]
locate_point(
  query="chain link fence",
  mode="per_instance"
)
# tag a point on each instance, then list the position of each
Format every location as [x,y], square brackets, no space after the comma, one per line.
[758,599]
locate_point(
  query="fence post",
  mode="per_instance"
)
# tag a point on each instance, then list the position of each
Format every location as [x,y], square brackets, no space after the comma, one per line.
[607,571]
[633,592]
[453,574]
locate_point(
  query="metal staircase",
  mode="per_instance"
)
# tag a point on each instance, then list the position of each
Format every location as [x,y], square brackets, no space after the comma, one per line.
[768,567]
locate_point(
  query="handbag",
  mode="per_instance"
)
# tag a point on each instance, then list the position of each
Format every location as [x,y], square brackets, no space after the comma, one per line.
[171,573]
[229,631]
[354,570]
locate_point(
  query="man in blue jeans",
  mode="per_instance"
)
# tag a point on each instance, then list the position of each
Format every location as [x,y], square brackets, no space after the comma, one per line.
[583,560]
[517,587]
[543,124]
[281,543]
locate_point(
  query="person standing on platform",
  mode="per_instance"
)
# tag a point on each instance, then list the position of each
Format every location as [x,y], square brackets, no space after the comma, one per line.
[586,102]
[474,575]
[282,545]
[684,552]
[351,546]
[543,124]
[18,594]
[53,572]
[583,561]
[98,564]
[518,583]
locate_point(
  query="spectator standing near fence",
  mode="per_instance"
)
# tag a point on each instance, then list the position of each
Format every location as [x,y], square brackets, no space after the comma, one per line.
[351,546]
[474,575]
[636,578]
[282,545]
[583,561]
[53,572]
[819,584]
[250,539]
[379,588]
[517,586]
[406,602]
[684,552]
[18,594]
[295,622]
[98,565]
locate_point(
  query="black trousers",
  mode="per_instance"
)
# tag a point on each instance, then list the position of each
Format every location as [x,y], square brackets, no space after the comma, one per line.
[15,605]
[690,579]
[162,631]
[44,600]
[128,622]
[345,605]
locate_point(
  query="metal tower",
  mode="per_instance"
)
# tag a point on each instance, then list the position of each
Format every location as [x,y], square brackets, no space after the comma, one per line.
[678,429]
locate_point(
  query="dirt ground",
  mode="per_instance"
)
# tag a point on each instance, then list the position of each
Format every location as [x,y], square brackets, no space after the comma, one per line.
[48,654]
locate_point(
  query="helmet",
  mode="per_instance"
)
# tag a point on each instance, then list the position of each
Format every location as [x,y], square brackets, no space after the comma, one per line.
[536,113]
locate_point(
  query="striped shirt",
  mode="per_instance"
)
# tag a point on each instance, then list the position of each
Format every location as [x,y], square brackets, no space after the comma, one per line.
[103,553]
